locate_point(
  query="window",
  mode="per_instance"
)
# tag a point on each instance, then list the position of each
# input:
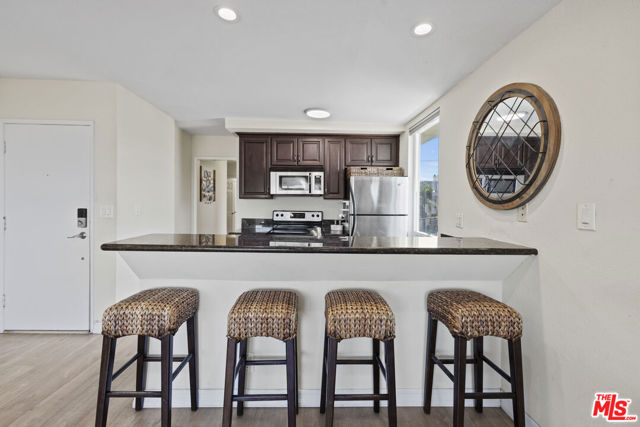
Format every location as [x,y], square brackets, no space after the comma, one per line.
[426,178]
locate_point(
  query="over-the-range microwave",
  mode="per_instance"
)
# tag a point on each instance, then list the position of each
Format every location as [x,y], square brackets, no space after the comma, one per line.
[297,183]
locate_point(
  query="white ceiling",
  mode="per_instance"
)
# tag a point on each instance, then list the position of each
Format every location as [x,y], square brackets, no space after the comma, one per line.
[356,58]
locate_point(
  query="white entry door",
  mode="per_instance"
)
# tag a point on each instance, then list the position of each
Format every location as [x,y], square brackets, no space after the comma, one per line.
[47,184]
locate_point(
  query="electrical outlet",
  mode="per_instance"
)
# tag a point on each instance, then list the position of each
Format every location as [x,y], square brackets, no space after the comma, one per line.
[137,210]
[106,211]
[460,220]
[523,213]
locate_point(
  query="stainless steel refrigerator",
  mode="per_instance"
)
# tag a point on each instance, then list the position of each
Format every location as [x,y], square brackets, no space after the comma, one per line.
[379,206]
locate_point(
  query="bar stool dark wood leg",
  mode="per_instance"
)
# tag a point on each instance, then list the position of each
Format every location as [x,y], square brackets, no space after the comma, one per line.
[517,384]
[332,357]
[166,373]
[459,371]
[106,372]
[192,340]
[376,374]
[323,387]
[477,369]
[471,315]
[432,330]
[141,315]
[228,382]
[391,382]
[242,374]
[291,382]
[295,355]
[141,369]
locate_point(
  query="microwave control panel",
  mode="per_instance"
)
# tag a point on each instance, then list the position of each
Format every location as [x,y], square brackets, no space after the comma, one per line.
[297,216]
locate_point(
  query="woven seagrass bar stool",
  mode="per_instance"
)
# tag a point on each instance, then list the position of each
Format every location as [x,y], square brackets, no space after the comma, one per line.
[358,313]
[471,316]
[261,313]
[156,313]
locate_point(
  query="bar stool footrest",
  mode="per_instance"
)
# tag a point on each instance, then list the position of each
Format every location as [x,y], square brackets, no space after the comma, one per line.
[489,395]
[349,397]
[258,397]
[136,394]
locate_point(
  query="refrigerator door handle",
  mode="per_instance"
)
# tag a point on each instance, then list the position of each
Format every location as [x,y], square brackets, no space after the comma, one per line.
[353,209]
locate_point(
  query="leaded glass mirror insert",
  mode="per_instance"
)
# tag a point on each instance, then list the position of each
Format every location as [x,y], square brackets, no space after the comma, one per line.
[513,145]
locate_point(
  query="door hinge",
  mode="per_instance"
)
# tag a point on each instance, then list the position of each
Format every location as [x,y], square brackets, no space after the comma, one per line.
[4,220]
[4,146]
[4,301]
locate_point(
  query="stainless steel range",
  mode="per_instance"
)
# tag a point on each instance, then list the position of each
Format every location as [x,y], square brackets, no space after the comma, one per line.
[302,223]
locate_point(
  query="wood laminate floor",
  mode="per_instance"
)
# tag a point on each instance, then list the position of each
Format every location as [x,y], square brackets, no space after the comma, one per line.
[52,380]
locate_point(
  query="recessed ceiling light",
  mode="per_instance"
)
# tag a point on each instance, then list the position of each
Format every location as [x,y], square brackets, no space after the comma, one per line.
[422,29]
[317,113]
[227,14]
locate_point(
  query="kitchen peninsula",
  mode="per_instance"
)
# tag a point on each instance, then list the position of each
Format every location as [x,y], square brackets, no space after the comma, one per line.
[221,267]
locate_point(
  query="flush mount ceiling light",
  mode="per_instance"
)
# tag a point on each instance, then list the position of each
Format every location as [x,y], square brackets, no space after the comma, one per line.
[422,29]
[317,113]
[227,14]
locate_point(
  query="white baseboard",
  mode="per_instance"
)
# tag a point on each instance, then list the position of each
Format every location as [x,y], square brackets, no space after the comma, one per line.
[97,328]
[212,398]
[507,407]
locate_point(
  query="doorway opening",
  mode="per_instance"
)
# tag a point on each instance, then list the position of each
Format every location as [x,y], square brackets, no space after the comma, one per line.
[215,195]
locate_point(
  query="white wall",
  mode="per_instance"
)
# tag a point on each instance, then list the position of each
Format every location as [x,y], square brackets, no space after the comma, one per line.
[137,161]
[146,176]
[212,217]
[183,182]
[145,167]
[227,147]
[73,100]
[580,308]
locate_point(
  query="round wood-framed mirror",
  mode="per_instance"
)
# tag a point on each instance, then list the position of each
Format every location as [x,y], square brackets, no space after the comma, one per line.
[513,145]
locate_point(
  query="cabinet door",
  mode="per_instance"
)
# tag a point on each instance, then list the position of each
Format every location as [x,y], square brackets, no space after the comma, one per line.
[509,159]
[334,172]
[358,152]
[254,167]
[384,151]
[485,156]
[284,151]
[310,151]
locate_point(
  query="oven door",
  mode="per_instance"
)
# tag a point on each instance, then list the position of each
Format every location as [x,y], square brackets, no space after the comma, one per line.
[290,183]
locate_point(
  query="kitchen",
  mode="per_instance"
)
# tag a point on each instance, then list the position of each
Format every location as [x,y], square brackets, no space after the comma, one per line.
[536,228]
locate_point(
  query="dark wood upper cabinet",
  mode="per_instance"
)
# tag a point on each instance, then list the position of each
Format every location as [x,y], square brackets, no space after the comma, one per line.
[377,151]
[358,152]
[310,151]
[334,172]
[284,151]
[259,153]
[254,167]
[510,155]
[296,150]
[384,151]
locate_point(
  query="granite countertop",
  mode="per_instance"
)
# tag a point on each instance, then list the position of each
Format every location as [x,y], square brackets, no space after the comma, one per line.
[326,244]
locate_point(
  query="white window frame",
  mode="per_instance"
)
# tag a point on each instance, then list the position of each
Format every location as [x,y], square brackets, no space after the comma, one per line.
[414,162]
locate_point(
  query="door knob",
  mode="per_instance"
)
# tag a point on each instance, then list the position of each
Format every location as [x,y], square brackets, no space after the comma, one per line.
[82,235]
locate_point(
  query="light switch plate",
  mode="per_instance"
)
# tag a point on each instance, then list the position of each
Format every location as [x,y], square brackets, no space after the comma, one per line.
[523,213]
[460,220]
[586,216]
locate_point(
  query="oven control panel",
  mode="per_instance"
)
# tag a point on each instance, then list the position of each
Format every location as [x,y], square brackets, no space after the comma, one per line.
[297,216]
